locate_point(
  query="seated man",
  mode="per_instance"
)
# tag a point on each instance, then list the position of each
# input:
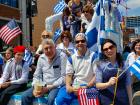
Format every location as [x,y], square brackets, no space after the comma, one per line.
[50,71]
[15,76]
[79,72]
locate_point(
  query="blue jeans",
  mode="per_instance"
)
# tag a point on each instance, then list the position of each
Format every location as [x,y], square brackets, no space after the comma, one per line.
[27,96]
[64,98]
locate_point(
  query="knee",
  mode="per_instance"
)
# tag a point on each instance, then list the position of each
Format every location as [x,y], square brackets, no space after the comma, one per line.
[58,100]
[24,96]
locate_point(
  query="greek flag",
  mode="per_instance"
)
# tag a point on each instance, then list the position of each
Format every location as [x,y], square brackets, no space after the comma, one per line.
[101,34]
[59,6]
[28,57]
[57,34]
[92,30]
[135,68]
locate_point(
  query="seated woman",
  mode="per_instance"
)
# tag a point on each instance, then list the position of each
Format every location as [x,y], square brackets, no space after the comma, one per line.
[66,43]
[107,80]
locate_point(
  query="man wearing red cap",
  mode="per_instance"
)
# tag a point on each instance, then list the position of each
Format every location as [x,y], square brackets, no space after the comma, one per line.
[15,76]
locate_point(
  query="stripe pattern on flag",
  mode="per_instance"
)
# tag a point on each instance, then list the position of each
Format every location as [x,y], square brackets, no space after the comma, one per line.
[135,68]
[9,31]
[88,96]
[57,34]
[59,6]
[28,57]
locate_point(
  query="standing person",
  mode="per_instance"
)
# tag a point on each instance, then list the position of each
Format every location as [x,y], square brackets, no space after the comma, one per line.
[50,70]
[15,76]
[106,76]
[88,12]
[79,72]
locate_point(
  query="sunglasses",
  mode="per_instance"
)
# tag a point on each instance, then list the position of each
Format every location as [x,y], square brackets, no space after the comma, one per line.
[45,36]
[110,47]
[85,12]
[65,37]
[78,41]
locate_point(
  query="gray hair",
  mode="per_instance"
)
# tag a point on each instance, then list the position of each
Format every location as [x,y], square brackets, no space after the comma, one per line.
[82,35]
[48,41]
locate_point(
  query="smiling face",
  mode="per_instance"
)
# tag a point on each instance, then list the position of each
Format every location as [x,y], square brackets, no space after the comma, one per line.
[109,50]
[8,54]
[80,42]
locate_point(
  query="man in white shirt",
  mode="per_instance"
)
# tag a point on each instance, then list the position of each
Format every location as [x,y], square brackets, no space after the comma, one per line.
[79,72]
[15,76]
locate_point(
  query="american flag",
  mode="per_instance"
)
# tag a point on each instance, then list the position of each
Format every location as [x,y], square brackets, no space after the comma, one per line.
[88,96]
[59,6]
[135,68]
[9,31]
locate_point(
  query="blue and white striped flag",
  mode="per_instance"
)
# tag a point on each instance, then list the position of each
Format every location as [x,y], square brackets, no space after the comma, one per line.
[101,34]
[92,30]
[135,68]
[59,6]
[28,57]
[57,34]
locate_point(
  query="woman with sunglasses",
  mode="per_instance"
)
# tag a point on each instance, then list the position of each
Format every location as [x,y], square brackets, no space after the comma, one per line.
[113,90]
[66,43]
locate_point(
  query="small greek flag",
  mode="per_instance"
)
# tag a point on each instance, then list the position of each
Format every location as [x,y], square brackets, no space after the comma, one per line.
[57,34]
[28,57]
[59,6]
[135,68]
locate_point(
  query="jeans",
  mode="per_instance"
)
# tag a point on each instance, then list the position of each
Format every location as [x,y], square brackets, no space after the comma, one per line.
[27,96]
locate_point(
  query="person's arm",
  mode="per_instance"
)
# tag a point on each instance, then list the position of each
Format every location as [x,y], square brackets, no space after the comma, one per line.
[99,77]
[38,72]
[60,80]
[92,82]
[6,73]
[111,82]
[69,83]
[129,92]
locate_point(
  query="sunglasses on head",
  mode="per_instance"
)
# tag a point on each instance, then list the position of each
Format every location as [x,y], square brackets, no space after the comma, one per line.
[110,47]
[78,41]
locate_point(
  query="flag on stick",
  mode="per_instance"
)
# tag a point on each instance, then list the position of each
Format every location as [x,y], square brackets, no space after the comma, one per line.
[10,31]
[57,34]
[135,68]
[59,6]
[88,96]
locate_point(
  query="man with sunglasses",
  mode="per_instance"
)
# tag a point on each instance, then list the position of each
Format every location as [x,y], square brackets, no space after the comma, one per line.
[44,35]
[79,72]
